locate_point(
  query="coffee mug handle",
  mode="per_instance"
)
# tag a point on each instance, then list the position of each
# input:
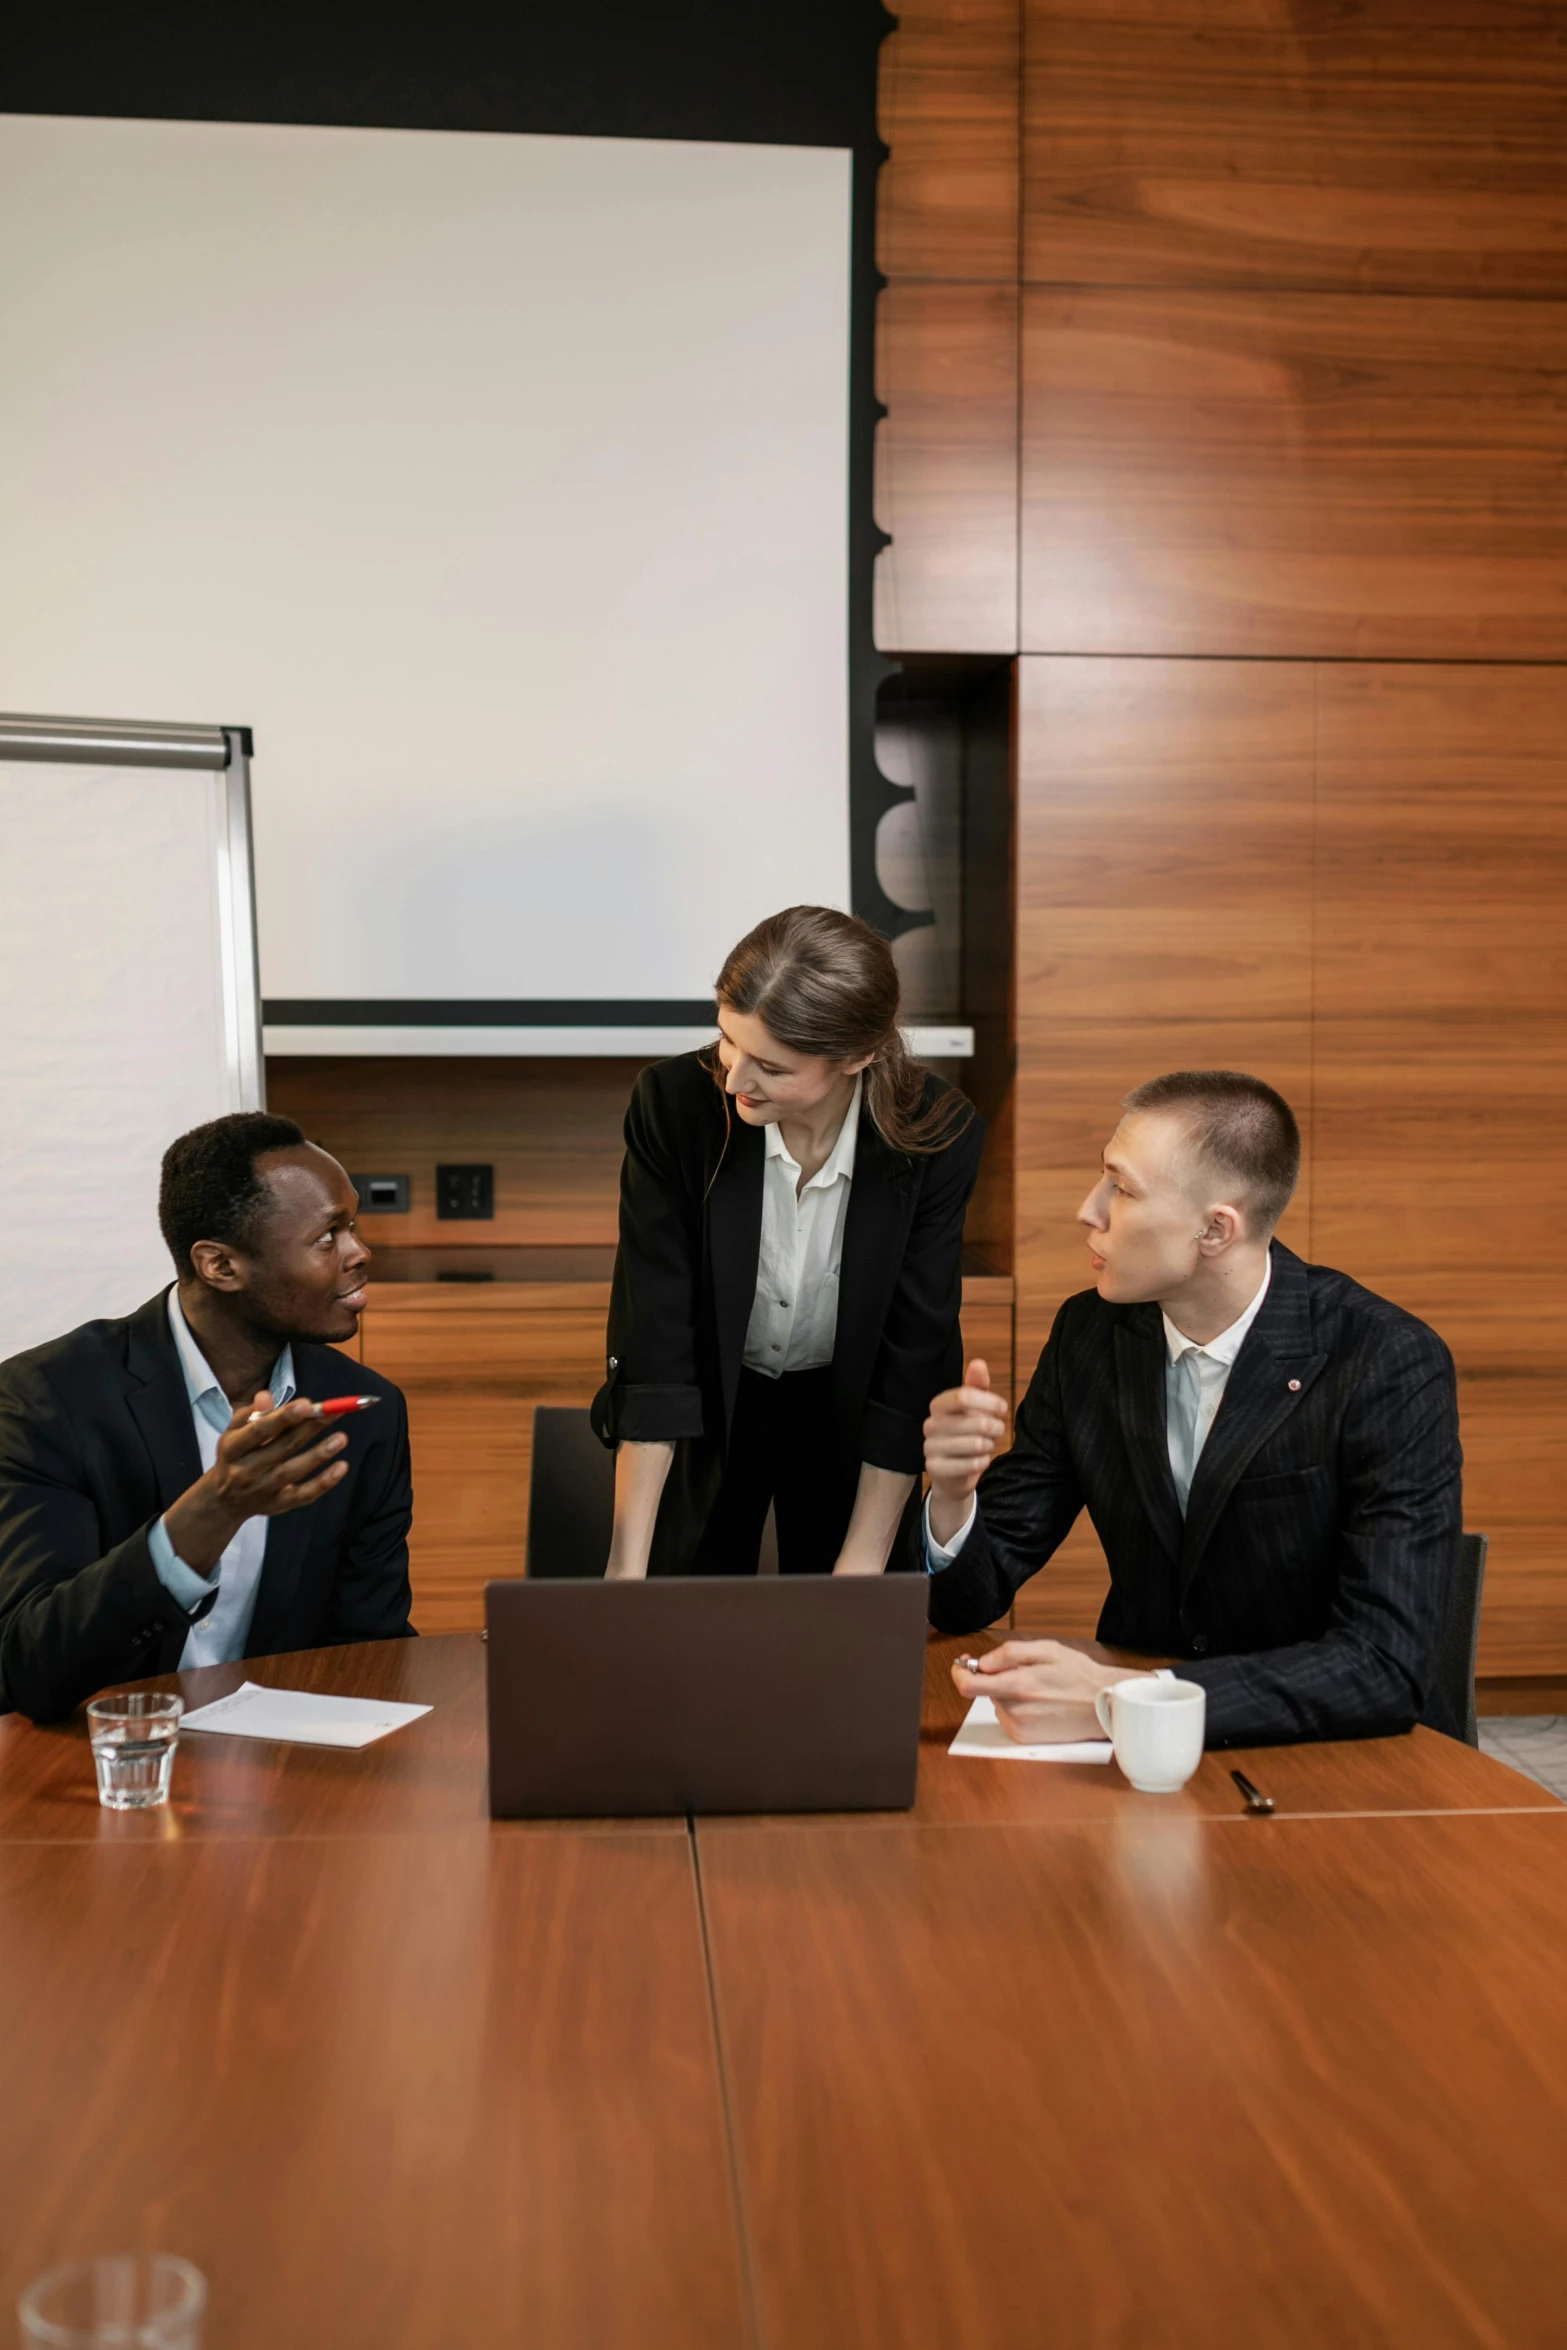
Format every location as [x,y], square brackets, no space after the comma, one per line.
[1102,1709]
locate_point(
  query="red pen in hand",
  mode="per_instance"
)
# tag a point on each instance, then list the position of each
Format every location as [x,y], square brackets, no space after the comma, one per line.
[334,1407]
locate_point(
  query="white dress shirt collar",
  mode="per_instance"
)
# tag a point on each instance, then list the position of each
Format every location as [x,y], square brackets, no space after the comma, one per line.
[840,1159]
[1228,1344]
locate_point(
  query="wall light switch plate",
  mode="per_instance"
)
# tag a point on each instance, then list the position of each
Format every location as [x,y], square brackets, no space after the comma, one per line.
[381,1195]
[465,1194]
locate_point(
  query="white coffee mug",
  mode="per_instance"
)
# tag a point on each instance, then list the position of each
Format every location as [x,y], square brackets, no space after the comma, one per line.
[1156,1728]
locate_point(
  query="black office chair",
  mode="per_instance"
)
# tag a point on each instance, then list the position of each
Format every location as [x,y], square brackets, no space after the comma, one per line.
[571,1498]
[1455,1658]
[571,1495]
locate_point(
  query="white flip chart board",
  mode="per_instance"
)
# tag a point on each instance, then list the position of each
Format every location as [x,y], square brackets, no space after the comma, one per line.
[129,1005]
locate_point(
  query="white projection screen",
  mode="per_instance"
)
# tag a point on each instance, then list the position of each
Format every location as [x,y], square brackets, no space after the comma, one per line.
[499,482]
[128,1005]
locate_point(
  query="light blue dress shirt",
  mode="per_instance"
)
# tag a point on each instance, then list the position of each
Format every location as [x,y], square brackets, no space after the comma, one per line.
[221,1635]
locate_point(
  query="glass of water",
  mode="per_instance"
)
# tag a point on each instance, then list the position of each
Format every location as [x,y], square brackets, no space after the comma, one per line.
[134,1735]
[128,2300]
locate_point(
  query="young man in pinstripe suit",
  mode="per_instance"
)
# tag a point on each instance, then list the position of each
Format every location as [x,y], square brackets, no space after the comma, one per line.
[1269,1453]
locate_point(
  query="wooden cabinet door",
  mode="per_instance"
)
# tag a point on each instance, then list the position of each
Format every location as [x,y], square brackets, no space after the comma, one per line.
[472,1369]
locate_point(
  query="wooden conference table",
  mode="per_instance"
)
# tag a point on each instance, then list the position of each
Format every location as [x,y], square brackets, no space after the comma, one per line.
[1043,2061]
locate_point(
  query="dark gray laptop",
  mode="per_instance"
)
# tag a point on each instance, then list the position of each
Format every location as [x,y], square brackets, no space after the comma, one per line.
[715,1694]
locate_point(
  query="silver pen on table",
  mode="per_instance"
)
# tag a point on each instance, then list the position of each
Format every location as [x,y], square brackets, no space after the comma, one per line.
[1254,1797]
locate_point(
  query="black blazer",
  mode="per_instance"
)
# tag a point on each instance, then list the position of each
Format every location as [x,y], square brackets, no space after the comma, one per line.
[1309,1583]
[685,1282]
[96,1441]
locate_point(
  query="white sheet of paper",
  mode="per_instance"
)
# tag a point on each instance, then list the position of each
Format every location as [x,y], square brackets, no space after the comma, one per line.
[982,1734]
[301,1718]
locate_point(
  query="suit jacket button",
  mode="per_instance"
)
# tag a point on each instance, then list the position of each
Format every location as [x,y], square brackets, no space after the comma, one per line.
[614,1362]
[1199,1644]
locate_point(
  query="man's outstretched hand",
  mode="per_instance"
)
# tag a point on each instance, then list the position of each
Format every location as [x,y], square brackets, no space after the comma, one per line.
[966,1429]
[269,1461]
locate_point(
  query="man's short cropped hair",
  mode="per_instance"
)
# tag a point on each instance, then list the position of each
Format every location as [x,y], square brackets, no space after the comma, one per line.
[1244,1131]
[210,1189]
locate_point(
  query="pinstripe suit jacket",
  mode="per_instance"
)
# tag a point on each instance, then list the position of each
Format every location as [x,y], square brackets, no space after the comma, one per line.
[1308,1584]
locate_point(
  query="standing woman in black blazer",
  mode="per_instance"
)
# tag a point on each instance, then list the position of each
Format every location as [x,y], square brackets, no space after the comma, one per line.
[786,1293]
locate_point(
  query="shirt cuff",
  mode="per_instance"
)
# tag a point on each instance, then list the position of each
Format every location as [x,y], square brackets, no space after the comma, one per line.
[184,1586]
[937,1555]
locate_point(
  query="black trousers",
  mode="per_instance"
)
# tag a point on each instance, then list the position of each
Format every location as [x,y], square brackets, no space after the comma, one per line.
[781,1453]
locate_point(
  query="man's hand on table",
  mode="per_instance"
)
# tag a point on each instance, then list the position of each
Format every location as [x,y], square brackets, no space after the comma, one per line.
[1043,1691]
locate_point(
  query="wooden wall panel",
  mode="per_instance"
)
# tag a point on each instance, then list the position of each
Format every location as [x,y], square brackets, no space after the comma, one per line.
[1394,146]
[987,1330]
[1371,918]
[550,1129]
[1164,835]
[1164,913]
[947,196]
[947,329]
[472,1368]
[1294,389]
[1263,473]
[1164,922]
[1441,1075]
[947,468]
[1442,846]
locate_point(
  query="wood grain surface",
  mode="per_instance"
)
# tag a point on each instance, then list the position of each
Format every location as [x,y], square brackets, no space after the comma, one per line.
[1305,474]
[1164,888]
[1372,1778]
[1164,841]
[427,1778]
[1440,1080]
[1164,921]
[948,108]
[1346,877]
[393,2075]
[947,468]
[473,1363]
[551,1129]
[1399,146]
[391,2091]
[947,327]
[1298,2082]
[1294,345]
[987,1332]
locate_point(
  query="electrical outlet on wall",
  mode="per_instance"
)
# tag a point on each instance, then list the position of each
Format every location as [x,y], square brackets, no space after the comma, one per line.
[381,1195]
[465,1194]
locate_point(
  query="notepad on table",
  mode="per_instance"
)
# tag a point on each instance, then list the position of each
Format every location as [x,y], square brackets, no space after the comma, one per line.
[982,1734]
[300,1717]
